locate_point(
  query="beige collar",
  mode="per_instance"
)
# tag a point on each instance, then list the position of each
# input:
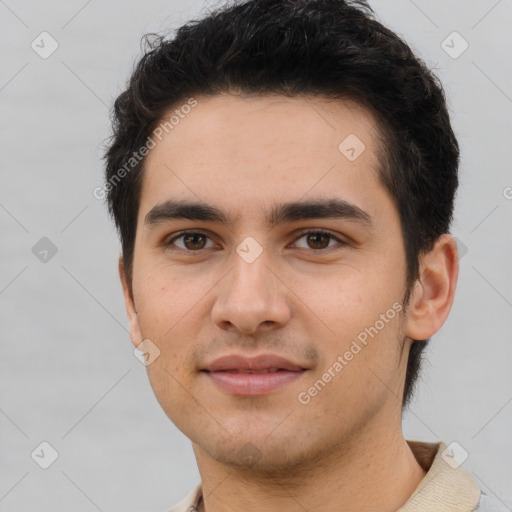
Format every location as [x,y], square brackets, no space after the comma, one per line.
[446,486]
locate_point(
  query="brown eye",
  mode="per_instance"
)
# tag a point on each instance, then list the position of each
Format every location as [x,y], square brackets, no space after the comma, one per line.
[192,242]
[318,240]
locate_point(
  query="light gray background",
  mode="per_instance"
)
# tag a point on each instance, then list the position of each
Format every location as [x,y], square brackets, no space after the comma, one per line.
[68,373]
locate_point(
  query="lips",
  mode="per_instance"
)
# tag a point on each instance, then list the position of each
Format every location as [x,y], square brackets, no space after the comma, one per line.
[261,364]
[244,376]
[266,370]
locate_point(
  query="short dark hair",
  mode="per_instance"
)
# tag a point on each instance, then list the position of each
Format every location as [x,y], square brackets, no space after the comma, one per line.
[334,49]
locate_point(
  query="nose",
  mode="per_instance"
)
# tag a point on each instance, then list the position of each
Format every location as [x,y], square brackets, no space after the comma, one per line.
[252,297]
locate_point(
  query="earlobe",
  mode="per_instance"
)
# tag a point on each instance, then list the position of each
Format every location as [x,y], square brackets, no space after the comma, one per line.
[129,302]
[433,293]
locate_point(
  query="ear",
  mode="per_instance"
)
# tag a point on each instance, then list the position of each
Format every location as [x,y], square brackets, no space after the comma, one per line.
[133,319]
[432,296]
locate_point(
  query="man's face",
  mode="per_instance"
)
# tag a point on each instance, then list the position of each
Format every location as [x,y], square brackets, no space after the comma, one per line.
[249,287]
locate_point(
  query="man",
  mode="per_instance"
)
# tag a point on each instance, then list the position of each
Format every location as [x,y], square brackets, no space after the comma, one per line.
[282,174]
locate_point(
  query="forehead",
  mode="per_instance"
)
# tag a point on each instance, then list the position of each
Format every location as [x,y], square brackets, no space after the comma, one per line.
[245,152]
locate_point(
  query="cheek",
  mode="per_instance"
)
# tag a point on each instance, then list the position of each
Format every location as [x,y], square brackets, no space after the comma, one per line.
[166,322]
[349,300]
[169,388]
[359,369]
[357,317]
[163,301]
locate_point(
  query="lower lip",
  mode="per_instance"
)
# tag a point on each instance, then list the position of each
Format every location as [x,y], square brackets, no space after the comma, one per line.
[253,384]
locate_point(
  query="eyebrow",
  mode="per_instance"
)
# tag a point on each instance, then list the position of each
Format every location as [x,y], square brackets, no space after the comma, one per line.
[282,213]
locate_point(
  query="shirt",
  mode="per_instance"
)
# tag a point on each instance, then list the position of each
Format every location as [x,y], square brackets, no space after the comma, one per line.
[446,487]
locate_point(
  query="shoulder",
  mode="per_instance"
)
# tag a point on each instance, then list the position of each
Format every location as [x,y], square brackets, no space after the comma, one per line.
[491,504]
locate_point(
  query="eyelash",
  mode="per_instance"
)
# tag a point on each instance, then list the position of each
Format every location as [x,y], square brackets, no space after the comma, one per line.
[181,234]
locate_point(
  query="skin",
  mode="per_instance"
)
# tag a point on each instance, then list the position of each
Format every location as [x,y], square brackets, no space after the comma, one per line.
[303,301]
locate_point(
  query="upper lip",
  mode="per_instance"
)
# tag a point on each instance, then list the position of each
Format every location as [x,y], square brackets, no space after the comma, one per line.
[261,362]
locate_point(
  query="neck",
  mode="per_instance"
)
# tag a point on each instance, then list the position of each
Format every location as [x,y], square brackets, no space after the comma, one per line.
[371,473]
